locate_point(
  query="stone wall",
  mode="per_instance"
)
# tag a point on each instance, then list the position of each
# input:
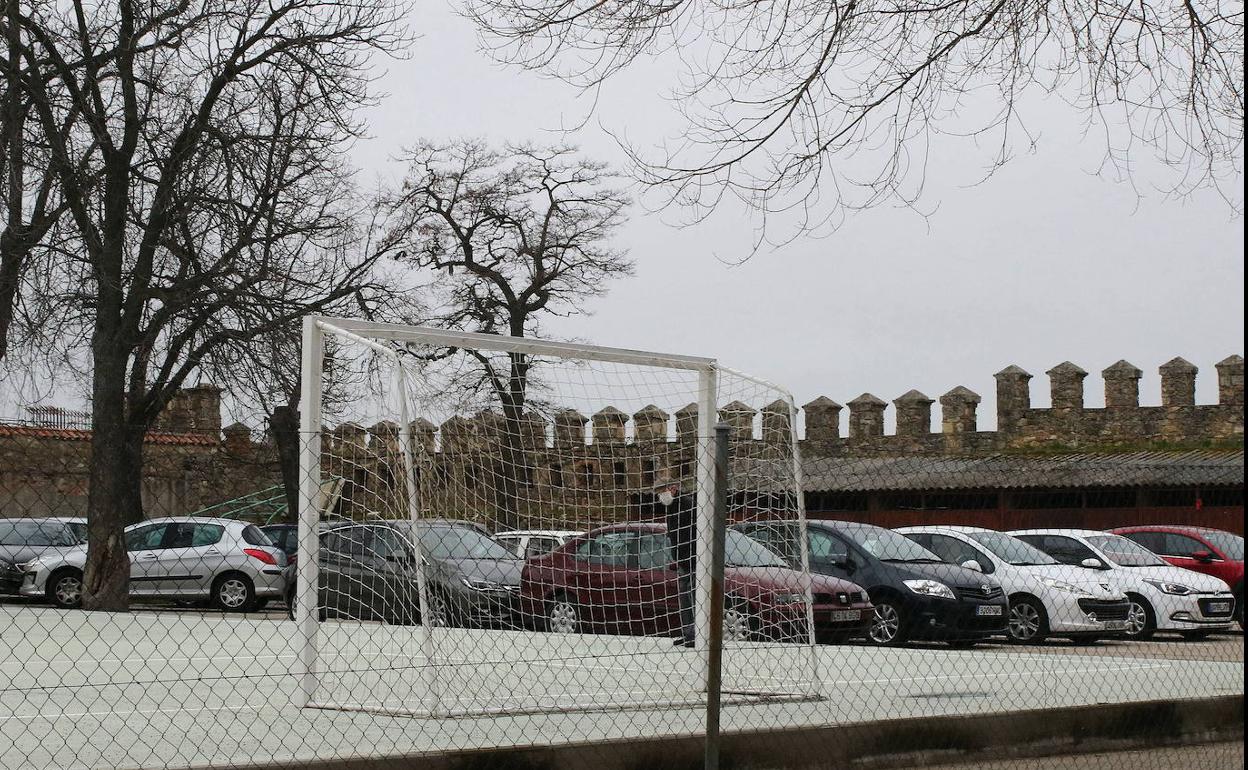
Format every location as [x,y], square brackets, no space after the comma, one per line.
[572,461]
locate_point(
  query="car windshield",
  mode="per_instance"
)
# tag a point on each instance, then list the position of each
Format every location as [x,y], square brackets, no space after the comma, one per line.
[36,533]
[742,551]
[1124,552]
[1011,550]
[886,545]
[1231,546]
[461,543]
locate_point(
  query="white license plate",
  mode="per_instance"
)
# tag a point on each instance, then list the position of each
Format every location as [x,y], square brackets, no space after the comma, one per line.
[1115,625]
[988,609]
[841,616]
[1219,608]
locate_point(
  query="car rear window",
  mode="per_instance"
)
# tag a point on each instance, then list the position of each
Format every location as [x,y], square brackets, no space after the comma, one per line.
[252,535]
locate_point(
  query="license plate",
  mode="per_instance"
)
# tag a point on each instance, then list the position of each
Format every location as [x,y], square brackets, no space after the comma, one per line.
[1219,608]
[841,616]
[988,609]
[1115,625]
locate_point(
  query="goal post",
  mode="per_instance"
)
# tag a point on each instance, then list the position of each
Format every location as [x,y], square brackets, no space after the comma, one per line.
[475,631]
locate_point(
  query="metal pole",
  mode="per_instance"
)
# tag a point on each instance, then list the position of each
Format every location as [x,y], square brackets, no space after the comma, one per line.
[433,690]
[708,387]
[715,647]
[306,570]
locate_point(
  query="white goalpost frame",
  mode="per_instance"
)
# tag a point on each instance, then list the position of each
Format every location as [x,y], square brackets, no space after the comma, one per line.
[367,333]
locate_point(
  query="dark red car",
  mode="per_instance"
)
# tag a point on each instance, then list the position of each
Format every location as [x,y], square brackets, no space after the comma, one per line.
[622,579]
[1208,551]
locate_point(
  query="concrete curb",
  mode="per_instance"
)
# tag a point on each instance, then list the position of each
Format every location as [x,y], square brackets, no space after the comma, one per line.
[892,743]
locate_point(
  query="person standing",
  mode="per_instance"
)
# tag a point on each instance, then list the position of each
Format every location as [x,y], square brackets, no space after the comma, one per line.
[681,513]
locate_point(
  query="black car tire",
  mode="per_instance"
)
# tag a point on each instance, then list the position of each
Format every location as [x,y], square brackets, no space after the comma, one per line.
[1141,613]
[888,626]
[233,592]
[1028,622]
[64,588]
[563,616]
[740,621]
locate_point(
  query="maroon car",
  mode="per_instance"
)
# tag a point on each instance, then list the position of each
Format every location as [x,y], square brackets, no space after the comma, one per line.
[622,579]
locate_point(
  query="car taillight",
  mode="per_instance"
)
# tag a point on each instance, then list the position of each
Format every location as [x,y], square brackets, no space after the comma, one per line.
[263,556]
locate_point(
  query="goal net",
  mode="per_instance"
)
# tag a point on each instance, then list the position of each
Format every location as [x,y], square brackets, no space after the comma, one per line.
[492,525]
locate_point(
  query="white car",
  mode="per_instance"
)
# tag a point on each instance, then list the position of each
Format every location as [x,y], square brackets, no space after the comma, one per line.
[527,543]
[230,563]
[1162,597]
[1046,598]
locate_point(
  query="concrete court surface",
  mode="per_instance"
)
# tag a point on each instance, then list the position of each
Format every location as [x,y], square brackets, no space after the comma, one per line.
[171,689]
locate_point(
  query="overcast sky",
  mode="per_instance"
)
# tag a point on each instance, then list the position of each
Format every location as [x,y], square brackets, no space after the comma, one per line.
[1046,261]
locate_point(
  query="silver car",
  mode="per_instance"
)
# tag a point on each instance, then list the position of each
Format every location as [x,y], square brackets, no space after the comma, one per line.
[230,563]
[24,539]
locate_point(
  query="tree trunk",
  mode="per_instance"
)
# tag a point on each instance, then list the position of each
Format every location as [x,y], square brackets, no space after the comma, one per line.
[107,575]
[284,425]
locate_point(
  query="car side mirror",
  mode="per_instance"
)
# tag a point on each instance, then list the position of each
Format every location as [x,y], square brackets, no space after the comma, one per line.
[972,564]
[1204,557]
[1093,564]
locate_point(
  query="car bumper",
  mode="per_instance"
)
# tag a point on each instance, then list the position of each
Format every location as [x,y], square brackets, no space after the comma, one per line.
[11,579]
[270,583]
[1196,611]
[939,619]
[789,621]
[1070,615]
[34,584]
[488,609]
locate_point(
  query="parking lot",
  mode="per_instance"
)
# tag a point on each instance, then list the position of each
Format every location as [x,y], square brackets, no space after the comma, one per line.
[170,688]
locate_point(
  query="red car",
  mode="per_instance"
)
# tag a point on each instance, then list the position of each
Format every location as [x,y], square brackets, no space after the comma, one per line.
[1208,551]
[622,579]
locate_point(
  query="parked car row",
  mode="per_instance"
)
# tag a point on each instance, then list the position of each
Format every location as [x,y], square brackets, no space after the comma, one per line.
[955,584]
[230,564]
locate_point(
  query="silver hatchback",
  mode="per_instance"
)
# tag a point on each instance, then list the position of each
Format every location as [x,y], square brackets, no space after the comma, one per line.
[230,563]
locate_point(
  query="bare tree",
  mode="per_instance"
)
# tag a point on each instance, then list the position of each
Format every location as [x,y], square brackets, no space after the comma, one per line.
[29,198]
[511,236]
[824,106]
[210,206]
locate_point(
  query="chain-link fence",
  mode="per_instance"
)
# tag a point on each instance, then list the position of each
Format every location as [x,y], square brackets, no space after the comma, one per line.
[460,604]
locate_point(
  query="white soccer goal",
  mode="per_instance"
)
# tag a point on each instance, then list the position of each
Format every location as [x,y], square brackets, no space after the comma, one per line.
[481,555]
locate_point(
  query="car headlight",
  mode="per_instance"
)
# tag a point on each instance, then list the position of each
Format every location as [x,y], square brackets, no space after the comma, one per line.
[1166,587]
[930,588]
[789,598]
[1062,585]
[482,585]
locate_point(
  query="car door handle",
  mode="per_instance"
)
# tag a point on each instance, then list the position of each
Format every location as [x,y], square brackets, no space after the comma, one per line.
[212,552]
[147,556]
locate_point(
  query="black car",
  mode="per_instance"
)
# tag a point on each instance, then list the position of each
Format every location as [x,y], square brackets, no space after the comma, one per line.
[369,571]
[916,595]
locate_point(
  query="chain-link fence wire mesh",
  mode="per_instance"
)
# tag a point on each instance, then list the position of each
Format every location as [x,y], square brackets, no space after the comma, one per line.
[478,594]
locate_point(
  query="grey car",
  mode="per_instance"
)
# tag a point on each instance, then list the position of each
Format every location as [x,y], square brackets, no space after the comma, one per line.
[231,564]
[369,571]
[24,539]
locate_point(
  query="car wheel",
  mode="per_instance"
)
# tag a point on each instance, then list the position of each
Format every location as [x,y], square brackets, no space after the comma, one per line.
[1195,636]
[441,614]
[1028,623]
[65,589]
[1141,621]
[740,625]
[887,626]
[233,592]
[563,616]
